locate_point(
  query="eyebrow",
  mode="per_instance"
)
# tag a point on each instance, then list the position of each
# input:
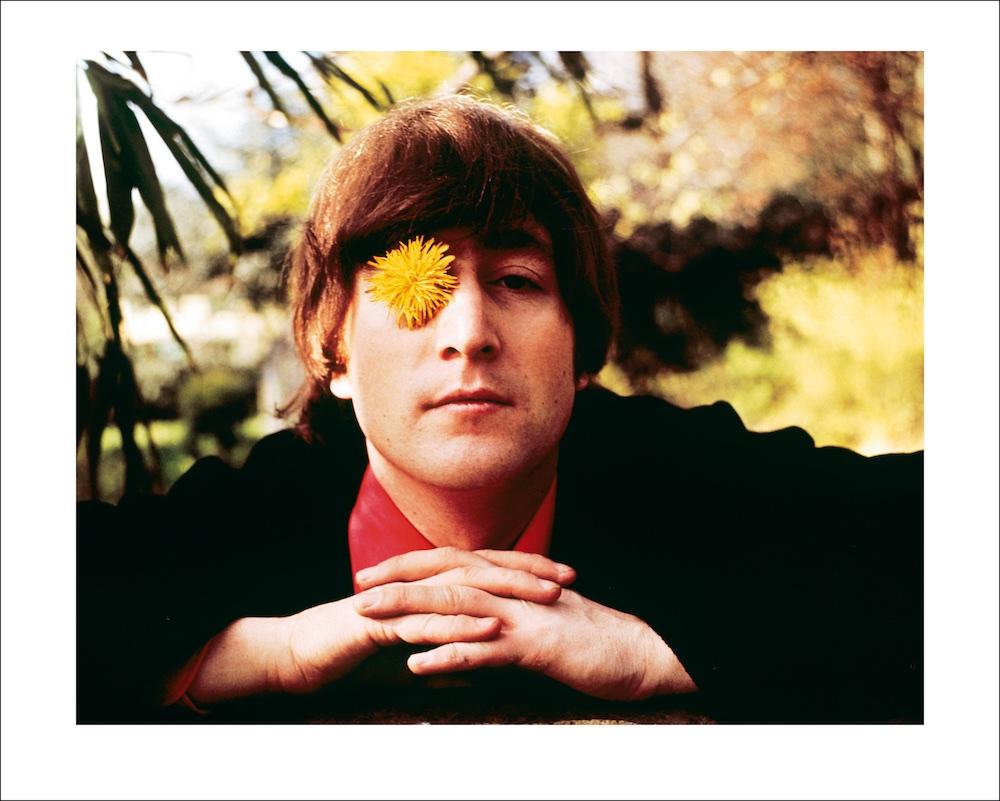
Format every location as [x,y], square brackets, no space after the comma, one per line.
[515,239]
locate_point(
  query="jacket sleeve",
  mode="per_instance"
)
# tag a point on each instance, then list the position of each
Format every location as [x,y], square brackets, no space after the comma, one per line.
[787,578]
[804,596]
[148,577]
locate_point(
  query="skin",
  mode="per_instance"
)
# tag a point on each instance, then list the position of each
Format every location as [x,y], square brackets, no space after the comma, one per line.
[590,647]
[303,652]
[469,476]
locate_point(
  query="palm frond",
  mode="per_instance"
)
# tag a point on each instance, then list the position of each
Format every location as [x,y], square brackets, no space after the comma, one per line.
[286,69]
[330,70]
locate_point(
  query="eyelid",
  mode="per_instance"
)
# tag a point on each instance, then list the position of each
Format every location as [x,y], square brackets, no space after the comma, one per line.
[531,283]
[519,272]
[520,268]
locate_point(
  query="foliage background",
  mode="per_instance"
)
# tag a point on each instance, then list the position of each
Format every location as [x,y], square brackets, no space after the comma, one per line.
[955,755]
[766,211]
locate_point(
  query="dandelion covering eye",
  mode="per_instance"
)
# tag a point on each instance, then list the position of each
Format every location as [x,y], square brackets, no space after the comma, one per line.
[413,281]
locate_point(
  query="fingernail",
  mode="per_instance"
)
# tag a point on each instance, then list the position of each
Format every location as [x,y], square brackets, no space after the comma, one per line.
[369,600]
[548,585]
[363,575]
[564,568]
[486,622]
[419,659]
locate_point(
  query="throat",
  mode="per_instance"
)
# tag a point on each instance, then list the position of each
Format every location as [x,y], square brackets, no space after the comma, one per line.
[467,518]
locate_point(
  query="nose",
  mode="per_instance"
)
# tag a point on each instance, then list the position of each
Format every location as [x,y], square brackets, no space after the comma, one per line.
[465,326]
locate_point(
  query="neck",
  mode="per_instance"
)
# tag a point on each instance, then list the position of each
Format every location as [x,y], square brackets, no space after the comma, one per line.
[467,518]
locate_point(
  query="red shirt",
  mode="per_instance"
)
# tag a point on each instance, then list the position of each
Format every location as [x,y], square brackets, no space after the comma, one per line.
[376,531]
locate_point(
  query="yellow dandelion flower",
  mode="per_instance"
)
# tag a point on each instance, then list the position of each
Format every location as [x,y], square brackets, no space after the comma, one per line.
[413,281]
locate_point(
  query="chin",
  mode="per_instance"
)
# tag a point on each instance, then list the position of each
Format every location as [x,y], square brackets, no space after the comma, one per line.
[477,470]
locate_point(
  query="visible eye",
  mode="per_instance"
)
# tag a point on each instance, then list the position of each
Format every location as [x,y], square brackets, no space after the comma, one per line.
[517,283]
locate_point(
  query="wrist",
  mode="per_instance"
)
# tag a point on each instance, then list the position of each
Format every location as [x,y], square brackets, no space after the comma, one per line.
[241,660]
[664,675]
[319,645]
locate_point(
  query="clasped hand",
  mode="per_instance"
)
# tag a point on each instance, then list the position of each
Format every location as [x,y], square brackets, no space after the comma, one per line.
[497,608]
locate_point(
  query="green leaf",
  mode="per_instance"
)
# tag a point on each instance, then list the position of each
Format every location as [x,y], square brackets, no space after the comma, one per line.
[285,68]
[146,180]
[133,59]
[99,413]
[111,294]
[329,69]
[387,93]
[92,294]
[87,215]
[265,84]
[126,400]
[491,68]
[116,82]
[191,160]
[117,175]
[157,467]
[575,63]
[199,156]
[194,165]
[135,154]
[156,300]
[82,401]
[84,268]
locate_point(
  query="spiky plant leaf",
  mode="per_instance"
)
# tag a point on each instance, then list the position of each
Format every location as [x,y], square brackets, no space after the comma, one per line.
[286,69]
[330,70]
[262,80]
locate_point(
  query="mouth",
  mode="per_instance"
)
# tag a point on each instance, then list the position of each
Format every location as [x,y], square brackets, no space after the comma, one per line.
[472,399]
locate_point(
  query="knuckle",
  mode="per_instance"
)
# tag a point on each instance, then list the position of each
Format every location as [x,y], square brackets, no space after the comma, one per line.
[381,632]
[427,626]
[392,596]
[452,596]
[457,655]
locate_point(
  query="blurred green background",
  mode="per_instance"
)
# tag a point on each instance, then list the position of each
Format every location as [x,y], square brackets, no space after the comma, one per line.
[766,210]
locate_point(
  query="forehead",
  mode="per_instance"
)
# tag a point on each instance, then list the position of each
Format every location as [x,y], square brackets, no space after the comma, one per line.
[527,236]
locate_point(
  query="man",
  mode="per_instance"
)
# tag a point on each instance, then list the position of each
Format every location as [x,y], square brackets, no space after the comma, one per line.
[453,474]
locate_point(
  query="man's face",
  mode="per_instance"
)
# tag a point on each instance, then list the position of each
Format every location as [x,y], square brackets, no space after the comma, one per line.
[480,395]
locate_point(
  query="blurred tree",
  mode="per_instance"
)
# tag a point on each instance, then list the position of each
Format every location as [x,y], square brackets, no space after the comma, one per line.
[714,171]
[106,378]
[753,159]
[107,385]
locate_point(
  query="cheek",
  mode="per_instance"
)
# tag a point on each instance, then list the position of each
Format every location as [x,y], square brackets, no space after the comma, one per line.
[555,356]
[373,372]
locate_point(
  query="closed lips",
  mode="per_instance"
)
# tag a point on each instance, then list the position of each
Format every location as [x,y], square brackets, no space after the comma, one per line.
[472,396]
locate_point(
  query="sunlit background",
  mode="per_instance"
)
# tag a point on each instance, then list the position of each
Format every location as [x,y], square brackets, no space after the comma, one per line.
[766,212]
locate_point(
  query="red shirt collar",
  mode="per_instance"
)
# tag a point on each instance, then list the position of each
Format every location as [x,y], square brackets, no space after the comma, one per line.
[377,529]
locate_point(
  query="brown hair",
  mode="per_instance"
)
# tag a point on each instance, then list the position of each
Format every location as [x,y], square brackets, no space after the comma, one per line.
[454,162]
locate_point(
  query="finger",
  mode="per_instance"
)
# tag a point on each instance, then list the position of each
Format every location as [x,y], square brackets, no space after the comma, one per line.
[432,629]
[500,581]
[417,565]
[392,600]
[539,565]
[458,656]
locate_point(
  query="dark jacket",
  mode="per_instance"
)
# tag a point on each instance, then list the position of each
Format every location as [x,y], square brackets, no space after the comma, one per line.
[786,578]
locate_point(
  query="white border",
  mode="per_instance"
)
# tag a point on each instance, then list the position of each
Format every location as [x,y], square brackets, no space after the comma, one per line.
[953,755]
